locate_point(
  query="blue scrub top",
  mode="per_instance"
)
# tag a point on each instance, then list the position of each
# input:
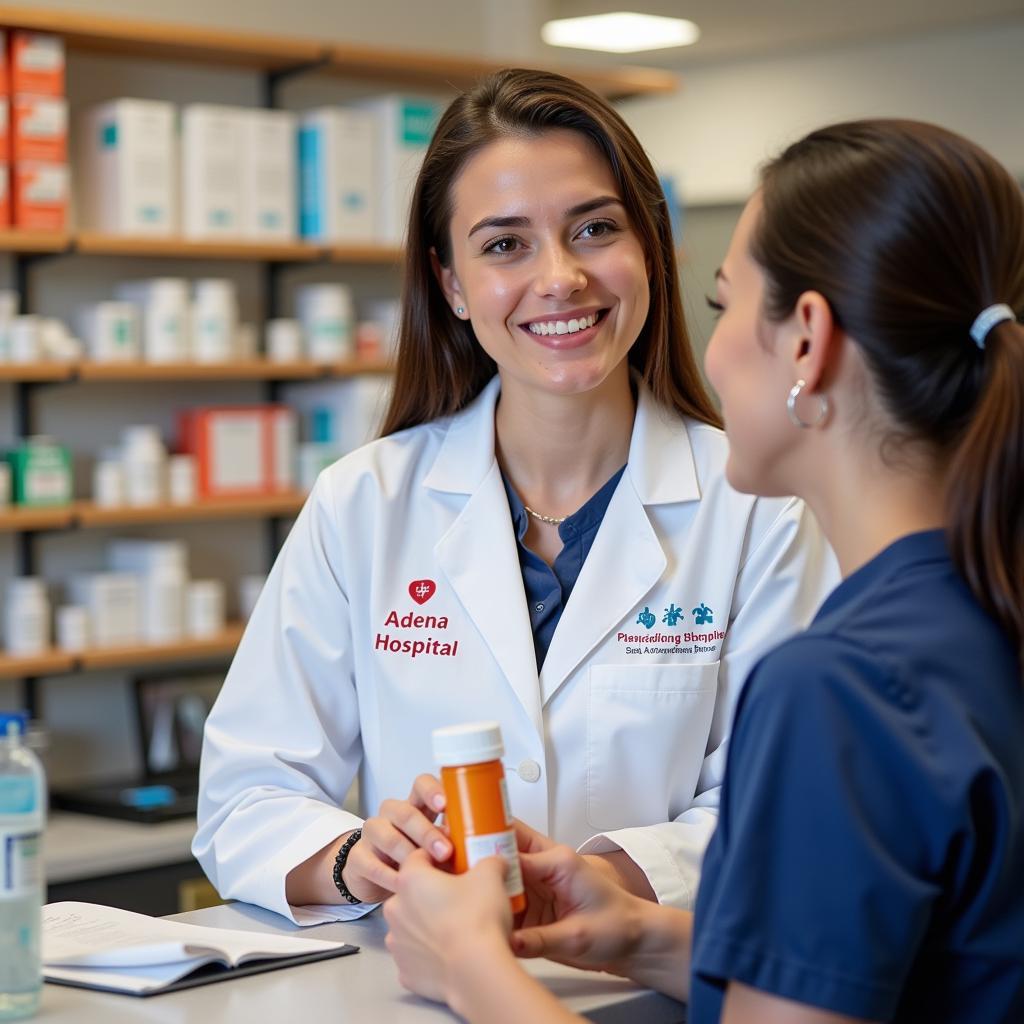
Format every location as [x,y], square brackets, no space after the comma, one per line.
[869,857]
[548,586]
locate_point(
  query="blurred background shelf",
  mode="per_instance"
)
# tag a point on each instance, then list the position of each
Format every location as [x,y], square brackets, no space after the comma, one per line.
[86,514]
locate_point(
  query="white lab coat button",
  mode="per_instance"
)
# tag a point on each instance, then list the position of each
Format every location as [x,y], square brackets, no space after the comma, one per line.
[529,771]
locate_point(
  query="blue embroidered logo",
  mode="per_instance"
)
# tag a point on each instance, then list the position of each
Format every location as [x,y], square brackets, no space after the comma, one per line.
[646,618]
[672,615]
[702,615]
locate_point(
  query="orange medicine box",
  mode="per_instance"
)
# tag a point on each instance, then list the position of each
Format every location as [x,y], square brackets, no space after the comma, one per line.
[40,196]
[39,129]
[241,450]
[36,65]
[5,196]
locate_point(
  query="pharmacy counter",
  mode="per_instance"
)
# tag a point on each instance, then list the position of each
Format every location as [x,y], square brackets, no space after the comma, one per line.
[86,846]
[360,988]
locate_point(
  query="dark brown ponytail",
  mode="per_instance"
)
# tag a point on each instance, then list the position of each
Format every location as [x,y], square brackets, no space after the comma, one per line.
[910,231]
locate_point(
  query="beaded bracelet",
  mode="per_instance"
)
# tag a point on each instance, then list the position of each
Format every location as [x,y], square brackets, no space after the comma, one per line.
[339,865]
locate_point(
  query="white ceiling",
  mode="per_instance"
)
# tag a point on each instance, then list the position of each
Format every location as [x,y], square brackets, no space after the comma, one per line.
[732,29]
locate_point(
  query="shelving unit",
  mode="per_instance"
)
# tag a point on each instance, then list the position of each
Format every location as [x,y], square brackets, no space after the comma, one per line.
[137,655]
[275,59]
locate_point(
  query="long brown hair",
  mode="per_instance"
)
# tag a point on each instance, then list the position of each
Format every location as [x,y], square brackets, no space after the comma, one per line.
[910,231]
[441,366]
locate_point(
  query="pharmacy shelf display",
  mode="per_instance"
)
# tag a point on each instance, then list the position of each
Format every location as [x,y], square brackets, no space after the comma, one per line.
[88,515]
[55,662]
[274,58]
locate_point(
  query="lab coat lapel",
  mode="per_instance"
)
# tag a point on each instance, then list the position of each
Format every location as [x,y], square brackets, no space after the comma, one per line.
[627,559]
[625,562]
[478,553]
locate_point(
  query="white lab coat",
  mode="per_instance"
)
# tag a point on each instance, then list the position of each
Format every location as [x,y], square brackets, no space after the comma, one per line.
[618,743]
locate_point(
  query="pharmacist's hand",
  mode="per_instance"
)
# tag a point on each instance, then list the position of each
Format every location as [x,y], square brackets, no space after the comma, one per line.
[398,828]
[579,915]
[434,915]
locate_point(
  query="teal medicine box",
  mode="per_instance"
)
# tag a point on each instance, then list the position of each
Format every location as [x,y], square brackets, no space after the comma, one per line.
[40,473]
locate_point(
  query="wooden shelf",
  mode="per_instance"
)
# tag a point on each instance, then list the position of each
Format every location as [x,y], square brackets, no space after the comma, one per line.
[132,37]
[17,372]
[388,255]
[144,654]
[87,514]
[15,240]
[96,244]
[14,666]
[256,369]
[14,518]
[55,662]
[454,71]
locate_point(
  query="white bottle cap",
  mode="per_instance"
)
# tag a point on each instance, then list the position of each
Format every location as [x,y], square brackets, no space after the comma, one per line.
[472,743]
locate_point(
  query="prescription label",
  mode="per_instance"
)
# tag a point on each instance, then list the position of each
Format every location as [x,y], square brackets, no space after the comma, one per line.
[498,844]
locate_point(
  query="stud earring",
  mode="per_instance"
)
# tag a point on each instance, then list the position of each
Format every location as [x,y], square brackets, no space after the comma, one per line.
[460,310]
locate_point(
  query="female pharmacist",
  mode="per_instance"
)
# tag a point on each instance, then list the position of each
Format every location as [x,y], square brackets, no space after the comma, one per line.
[869,857]
[544,536]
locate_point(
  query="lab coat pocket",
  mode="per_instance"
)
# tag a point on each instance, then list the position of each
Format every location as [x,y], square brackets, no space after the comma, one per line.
[647,733]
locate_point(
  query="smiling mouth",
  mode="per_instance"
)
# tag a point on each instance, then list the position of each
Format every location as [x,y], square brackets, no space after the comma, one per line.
[571,326]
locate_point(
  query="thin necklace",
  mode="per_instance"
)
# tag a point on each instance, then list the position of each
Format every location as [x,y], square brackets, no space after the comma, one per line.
[553,520]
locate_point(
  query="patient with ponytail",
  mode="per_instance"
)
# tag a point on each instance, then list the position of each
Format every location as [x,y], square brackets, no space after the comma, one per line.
[868,863]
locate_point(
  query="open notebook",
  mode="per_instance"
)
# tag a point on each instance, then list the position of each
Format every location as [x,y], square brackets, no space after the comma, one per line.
[99,947]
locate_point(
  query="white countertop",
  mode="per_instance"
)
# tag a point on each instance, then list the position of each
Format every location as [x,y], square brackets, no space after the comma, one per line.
[359,988]
[80,846]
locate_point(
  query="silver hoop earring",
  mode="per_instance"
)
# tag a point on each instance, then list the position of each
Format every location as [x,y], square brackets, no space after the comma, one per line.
[794,394]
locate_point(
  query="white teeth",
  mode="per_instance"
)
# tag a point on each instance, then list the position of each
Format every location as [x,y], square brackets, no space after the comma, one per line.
[564,326]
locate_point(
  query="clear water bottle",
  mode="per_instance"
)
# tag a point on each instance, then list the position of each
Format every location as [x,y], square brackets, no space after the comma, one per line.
[22,815]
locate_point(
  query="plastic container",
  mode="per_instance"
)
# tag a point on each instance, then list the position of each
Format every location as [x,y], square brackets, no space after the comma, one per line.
[328,318]
[165,309]
[182,476]
[72,627]
[25,342]
[477,807]
[284,340]
[214,321]
[162,569]
[27,616]
[204,608]
[108,483]
[22,818]
[111,331]
[144,462]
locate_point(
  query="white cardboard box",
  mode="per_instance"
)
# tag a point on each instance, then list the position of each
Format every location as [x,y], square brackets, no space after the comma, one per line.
[213,151]
[269,194]
[405,125]
[127,154]
[113,601]
[339,185]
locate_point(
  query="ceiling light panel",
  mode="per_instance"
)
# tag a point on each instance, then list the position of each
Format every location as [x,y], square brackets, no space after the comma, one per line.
[620,32]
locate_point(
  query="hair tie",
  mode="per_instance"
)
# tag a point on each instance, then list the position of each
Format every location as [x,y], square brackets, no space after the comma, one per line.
[987,319]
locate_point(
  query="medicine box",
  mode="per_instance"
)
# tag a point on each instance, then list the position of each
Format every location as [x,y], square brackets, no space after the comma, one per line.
[36,64]
[39,193]
[5,73]
[241,450]
[5,196]
[127,153]
[39,128]
[213,155]
[269,194]
[405,126]
[113,601]
[40,473]
[338,191]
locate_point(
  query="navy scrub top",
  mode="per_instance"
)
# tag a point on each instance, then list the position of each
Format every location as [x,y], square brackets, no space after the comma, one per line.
[869,856]
[548,586]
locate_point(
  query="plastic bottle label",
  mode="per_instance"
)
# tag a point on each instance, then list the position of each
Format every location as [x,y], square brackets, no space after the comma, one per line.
[498,844]
[20,863]
[17,795]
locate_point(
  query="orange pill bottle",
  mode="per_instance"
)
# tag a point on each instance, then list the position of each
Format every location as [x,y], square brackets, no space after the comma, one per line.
[477,808]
